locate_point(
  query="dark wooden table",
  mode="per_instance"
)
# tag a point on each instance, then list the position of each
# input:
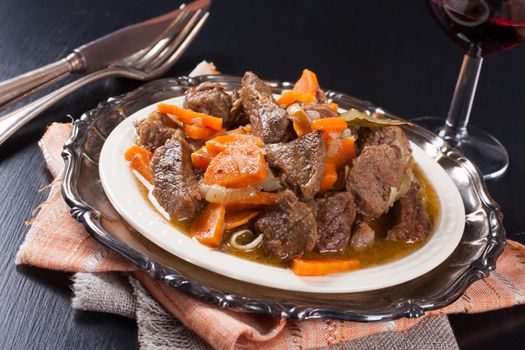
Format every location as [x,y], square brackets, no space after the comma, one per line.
[389,52]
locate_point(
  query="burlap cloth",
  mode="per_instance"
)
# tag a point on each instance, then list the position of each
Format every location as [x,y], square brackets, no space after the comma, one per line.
[56,241]
[157,329]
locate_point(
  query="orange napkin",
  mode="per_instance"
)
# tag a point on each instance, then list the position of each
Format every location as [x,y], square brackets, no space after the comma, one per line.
[56,241]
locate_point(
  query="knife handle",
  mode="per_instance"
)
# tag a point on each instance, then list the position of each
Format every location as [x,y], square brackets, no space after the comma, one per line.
[29,82]
[14,120]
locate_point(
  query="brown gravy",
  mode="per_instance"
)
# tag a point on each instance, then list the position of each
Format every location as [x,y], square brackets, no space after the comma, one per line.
[382,252]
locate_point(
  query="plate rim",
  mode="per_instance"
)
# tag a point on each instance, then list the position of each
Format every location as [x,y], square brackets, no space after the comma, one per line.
[89,217]
[114,173]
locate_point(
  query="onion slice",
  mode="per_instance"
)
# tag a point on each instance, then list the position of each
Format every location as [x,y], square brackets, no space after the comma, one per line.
[270,184]
[220,194]
[406,182]
[151,197]
[245,247]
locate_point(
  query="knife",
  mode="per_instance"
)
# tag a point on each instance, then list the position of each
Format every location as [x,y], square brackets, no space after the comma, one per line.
[98,54]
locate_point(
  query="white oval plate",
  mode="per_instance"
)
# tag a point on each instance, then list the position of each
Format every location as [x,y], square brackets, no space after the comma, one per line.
[120,186]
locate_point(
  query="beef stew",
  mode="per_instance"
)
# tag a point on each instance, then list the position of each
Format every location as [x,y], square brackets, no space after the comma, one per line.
[289,182]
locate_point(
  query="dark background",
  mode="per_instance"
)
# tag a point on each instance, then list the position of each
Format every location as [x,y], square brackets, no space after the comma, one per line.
[389,52]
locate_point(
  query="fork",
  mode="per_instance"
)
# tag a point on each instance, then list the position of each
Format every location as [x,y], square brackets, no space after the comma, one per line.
[145,64]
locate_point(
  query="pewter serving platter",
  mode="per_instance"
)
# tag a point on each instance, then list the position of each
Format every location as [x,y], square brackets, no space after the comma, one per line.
[475,256]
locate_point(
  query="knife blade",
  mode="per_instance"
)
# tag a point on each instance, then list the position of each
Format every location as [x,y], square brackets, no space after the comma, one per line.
[126,41]
[98,54]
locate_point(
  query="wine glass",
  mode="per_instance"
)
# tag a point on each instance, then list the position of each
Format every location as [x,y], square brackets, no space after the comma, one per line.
[479,28]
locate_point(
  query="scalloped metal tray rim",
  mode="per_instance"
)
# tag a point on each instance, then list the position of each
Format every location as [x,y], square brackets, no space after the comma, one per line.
[89,217]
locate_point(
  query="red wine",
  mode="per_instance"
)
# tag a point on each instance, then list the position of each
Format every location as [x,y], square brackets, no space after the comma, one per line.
[481,27]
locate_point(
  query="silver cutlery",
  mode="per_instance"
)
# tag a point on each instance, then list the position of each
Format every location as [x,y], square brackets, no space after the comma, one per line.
[98,54]
[145,63]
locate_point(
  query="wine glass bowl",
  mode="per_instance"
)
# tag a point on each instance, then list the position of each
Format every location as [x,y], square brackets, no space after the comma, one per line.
[479,28]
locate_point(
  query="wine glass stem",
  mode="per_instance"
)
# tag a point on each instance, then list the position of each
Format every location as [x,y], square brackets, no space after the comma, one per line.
[459,112]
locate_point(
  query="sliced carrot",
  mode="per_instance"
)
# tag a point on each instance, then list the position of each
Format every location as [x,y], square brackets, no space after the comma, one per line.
[139,159]
[245,129]
[333,106]
[260,200]
[141,165]
[290,97]
[134,150]
[212,122]
[301,121]
[337,124]
[219,143]
[329,176]
[197,132]
[182,114]
[239,165]
[201,158]
[344,154]
[303,267]
[208,227]
[301,129]
[307,83]
[237,218]
[330,136]
[188,116]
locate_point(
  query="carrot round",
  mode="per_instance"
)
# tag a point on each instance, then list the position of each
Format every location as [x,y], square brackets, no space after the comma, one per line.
[134,150]
[208,227]
[336,124]
[329,176]
[260,200]
[290,97]
[307,83]
[237,166]
[188,116]
[237,218]
[303,267]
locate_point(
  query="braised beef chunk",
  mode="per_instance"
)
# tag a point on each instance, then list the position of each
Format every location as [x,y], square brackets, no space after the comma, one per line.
[155,130]
[210,98]
[288,229]
[300,163]
[374,179]
[392,136]
[175,185]
[320,96]
[253,85]
[269,121]
[319,111]
[335,216]
[237,115]
[363,236]
[412,222]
